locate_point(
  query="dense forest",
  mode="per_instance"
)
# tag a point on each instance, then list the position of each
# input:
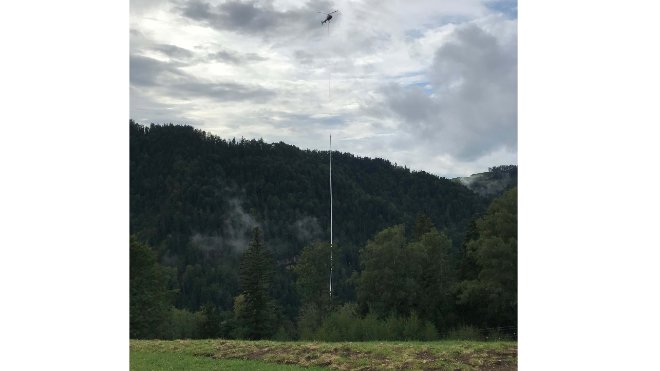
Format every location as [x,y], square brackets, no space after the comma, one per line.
[229,239]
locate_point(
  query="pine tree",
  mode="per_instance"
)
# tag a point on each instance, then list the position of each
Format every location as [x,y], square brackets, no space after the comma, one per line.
[256,315]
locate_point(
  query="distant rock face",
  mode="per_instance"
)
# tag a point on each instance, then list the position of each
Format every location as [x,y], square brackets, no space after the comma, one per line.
[492,183]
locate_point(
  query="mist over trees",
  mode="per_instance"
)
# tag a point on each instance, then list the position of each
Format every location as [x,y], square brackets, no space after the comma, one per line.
[227,241]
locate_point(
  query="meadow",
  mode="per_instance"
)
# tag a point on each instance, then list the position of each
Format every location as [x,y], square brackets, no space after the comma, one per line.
[273,355]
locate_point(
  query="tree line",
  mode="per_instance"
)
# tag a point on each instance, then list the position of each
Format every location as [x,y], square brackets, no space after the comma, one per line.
[407,289]
[196,200]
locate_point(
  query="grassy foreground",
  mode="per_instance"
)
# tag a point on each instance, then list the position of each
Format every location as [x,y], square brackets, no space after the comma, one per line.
[146,361]
[262,355]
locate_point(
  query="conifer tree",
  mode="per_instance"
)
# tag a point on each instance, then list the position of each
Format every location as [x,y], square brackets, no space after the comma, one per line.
[423,225]
[494,291]
[312,271]
[256,316]
[149,297]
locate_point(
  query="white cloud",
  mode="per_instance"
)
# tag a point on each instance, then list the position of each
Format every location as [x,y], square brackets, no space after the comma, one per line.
[409,80]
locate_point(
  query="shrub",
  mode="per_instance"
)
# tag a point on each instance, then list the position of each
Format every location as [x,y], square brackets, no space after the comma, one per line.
[429,332]
[464,333]
[501,334]
[309,321]
[182,324]
[345,324]
[281,335]
[286,331]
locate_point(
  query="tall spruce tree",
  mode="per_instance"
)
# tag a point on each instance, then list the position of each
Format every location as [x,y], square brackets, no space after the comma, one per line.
[149,297]
[256,315]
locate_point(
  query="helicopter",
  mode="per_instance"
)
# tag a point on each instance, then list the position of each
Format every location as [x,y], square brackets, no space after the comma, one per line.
[328,16]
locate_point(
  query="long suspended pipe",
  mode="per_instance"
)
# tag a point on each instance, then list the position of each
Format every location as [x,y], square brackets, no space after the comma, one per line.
[330,215]
[329,75]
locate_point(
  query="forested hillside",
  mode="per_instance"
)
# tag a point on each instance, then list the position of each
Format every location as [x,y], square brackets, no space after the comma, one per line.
[492,183]
[196,199]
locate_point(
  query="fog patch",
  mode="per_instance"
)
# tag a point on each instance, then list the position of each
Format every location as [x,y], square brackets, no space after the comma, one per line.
[207,243]
[486,184]
[235,235]
[306,229]
[238,226]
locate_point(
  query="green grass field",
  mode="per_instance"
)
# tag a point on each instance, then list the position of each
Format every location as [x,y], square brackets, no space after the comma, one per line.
[273,355]
[147,361]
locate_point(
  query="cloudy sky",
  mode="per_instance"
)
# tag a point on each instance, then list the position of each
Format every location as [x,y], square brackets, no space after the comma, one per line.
[427,84]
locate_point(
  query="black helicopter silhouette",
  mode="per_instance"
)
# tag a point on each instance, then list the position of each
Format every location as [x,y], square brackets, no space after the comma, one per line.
[329,16]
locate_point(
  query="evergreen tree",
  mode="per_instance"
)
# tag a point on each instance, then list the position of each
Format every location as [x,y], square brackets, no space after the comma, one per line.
[423,225]
[493,293]
[436,279]
[210,326]
[312,275]
[149,297]
[401,277]
[468,270]
[467,267]
[389,282]
[256,310]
